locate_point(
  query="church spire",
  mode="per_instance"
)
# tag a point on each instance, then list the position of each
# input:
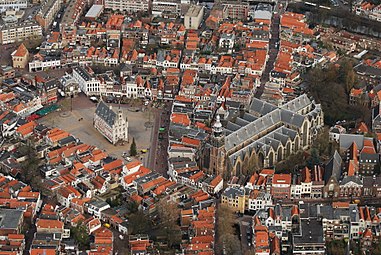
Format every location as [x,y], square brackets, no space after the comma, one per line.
[217,127]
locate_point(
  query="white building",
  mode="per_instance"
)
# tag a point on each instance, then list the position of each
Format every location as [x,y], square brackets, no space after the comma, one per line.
[193,17]
[184,152]
[301,190]
[13,5]
[19,32]
[96,207]
[170,6]
[128,5]
[133,90]
[87,82]
[227,41]
[112,125]
[261,201]
[43,64]
[335,132]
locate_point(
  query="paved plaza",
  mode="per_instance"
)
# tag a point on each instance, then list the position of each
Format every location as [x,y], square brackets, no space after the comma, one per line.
[79,122]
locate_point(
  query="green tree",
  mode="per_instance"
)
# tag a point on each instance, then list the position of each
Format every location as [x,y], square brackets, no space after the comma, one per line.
[115,202]
[81,236]
[133,150]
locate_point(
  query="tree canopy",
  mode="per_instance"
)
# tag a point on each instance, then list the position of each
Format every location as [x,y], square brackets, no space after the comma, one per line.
[227,238]
[169,214]
[133,150]
[331,88]
[30,172]
[81,236]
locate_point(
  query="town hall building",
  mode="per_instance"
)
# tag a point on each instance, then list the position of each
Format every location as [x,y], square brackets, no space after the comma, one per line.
[113,125]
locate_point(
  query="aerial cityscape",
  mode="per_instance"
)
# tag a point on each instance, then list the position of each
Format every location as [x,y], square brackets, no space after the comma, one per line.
[187,127]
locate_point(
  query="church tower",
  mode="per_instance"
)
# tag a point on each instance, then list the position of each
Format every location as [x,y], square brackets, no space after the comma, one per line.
[217,149]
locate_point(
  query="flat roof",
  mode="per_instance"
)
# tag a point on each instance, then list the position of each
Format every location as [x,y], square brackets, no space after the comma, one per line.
[94,11]
[10,218]
[194,10]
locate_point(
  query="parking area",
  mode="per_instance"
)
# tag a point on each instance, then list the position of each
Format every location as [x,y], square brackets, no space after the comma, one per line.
[80,124]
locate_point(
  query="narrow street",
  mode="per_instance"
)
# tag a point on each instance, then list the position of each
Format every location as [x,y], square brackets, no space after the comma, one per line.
[29,235]
[273,49]
[157,158]
[245,225]
[154,137]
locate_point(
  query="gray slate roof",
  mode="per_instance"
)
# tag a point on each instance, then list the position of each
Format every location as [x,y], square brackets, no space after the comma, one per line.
[346,141]
[333,168]
[106,113]
[297,103]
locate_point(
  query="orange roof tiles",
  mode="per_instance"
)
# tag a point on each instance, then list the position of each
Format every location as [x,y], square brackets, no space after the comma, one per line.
[26,128]
[163,186]
[352,168]
[363,128]
[153,183]
[28,194]
[44,223]
[281,179]
[261,239]
[216,181]
[113,165]
[21,51]
[138,199]
[180,118]
[35,251]
[368,233]
[197,176]
[340,204]
[133,164]
[190,141]
[128,179]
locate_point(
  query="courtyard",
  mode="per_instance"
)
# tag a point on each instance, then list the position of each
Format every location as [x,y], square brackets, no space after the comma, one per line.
[79,122]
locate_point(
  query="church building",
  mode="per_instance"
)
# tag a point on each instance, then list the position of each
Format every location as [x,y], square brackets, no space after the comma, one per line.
[262,136]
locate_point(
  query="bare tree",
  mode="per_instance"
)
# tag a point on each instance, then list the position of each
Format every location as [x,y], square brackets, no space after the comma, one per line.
[169,213]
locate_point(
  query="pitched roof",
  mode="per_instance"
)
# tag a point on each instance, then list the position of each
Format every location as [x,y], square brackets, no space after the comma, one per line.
[180,118]
[42,252]
[106,113]
[44,223]
[21,51]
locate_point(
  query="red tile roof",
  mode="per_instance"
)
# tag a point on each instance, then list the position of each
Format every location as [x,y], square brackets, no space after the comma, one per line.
[21,51]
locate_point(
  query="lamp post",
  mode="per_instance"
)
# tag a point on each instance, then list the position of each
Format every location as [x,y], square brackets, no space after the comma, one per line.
[71,98]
